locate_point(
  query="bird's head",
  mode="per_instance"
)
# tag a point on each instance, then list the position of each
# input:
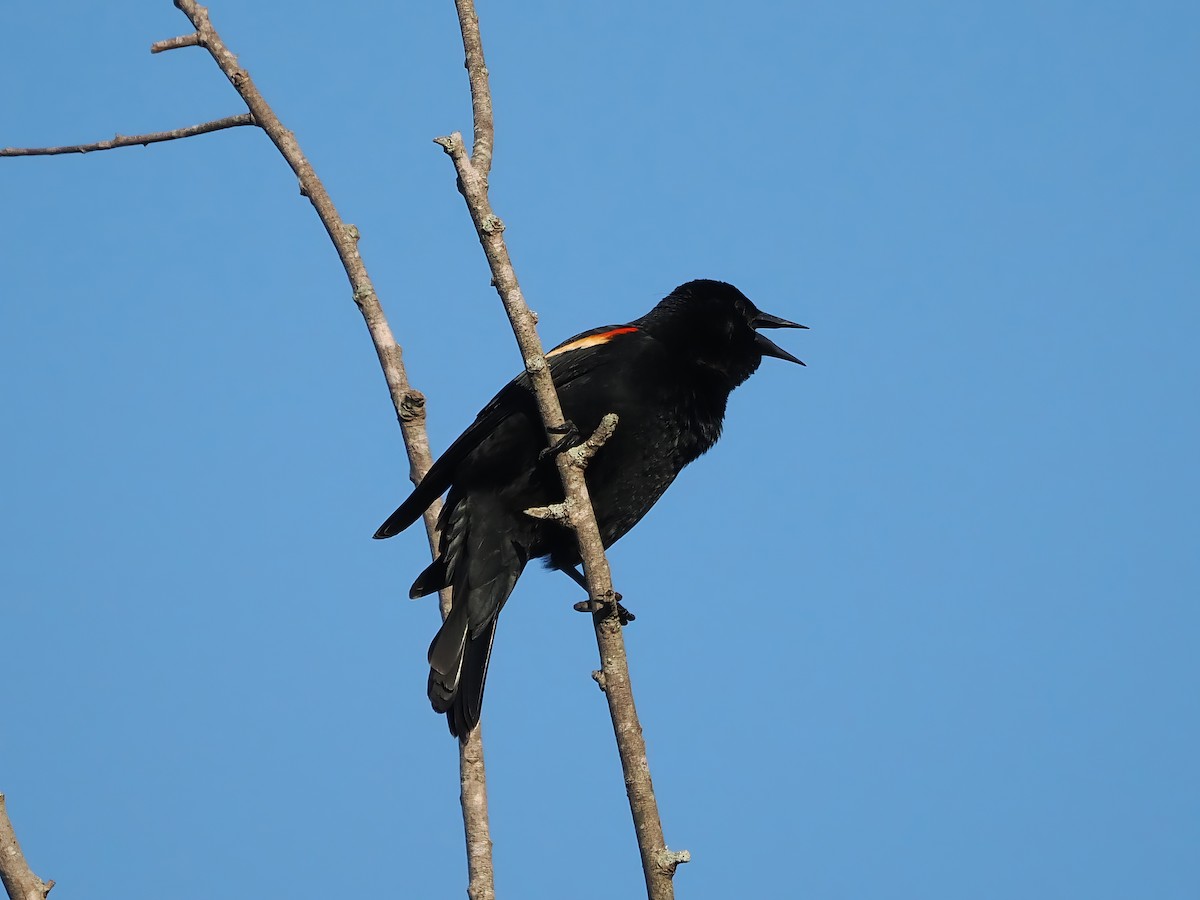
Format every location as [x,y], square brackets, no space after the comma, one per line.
[715,326]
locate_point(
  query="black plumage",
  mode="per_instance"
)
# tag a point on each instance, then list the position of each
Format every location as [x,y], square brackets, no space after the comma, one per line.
[667,376]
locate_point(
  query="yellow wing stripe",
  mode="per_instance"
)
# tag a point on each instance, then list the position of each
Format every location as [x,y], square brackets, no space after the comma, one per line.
[592,340]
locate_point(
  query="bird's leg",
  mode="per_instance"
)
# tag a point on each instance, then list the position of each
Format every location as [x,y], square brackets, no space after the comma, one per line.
[624,616]
[567,437]
[575,575]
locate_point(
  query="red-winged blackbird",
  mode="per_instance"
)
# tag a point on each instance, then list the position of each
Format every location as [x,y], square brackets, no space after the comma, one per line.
[667,376]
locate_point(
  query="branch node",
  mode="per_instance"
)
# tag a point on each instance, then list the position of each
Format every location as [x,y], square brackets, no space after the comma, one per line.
[668,860]
[491,224]
[451,143]
[601,681]
[412,406]
[353,233]
[555,512]
[582,455]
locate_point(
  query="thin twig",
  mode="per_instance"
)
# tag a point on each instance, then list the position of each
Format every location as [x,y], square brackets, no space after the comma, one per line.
[408,402]
[555,512]
[582,455]
[134,140]
[184,40]
[658,864]
[19,881]
[481,94]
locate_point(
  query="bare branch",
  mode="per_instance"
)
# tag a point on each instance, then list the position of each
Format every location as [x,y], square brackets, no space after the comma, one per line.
[19,881]
[658,868]
[670,859]
[135,140]
[184,40]
[472,795]
[481,95]
[408,402]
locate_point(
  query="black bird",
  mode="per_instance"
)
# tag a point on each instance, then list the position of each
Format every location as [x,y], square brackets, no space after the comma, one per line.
[667,376]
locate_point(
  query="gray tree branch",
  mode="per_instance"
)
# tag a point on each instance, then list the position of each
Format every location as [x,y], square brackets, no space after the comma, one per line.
[658,863]
[481,93]
[409,403]
[134,140]
[19,881]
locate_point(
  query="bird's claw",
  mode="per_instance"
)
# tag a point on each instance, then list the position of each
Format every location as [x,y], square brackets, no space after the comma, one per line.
[624,616]
[567,437]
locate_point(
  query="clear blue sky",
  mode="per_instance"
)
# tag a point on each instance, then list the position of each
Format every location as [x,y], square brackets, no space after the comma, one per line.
[923,625]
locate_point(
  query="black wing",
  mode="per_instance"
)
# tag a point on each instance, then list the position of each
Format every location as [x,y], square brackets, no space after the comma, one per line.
[516,399]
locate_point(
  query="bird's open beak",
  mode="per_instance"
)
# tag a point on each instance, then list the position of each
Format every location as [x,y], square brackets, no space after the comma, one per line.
[767,346]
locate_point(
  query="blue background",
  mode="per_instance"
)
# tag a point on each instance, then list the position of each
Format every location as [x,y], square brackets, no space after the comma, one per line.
[923,625]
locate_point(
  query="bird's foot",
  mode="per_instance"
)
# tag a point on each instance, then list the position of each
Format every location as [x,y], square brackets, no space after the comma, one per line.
[624,616]
[567,436]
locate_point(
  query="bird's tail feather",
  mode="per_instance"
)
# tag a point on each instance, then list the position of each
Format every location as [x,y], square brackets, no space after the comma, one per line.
[481,563]
[446,653]
[434,578]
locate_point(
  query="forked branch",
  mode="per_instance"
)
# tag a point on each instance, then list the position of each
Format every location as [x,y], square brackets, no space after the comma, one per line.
[408,402]
[481,93]
[658,863]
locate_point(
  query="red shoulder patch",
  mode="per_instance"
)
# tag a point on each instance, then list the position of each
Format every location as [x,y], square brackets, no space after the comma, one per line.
[591,340]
